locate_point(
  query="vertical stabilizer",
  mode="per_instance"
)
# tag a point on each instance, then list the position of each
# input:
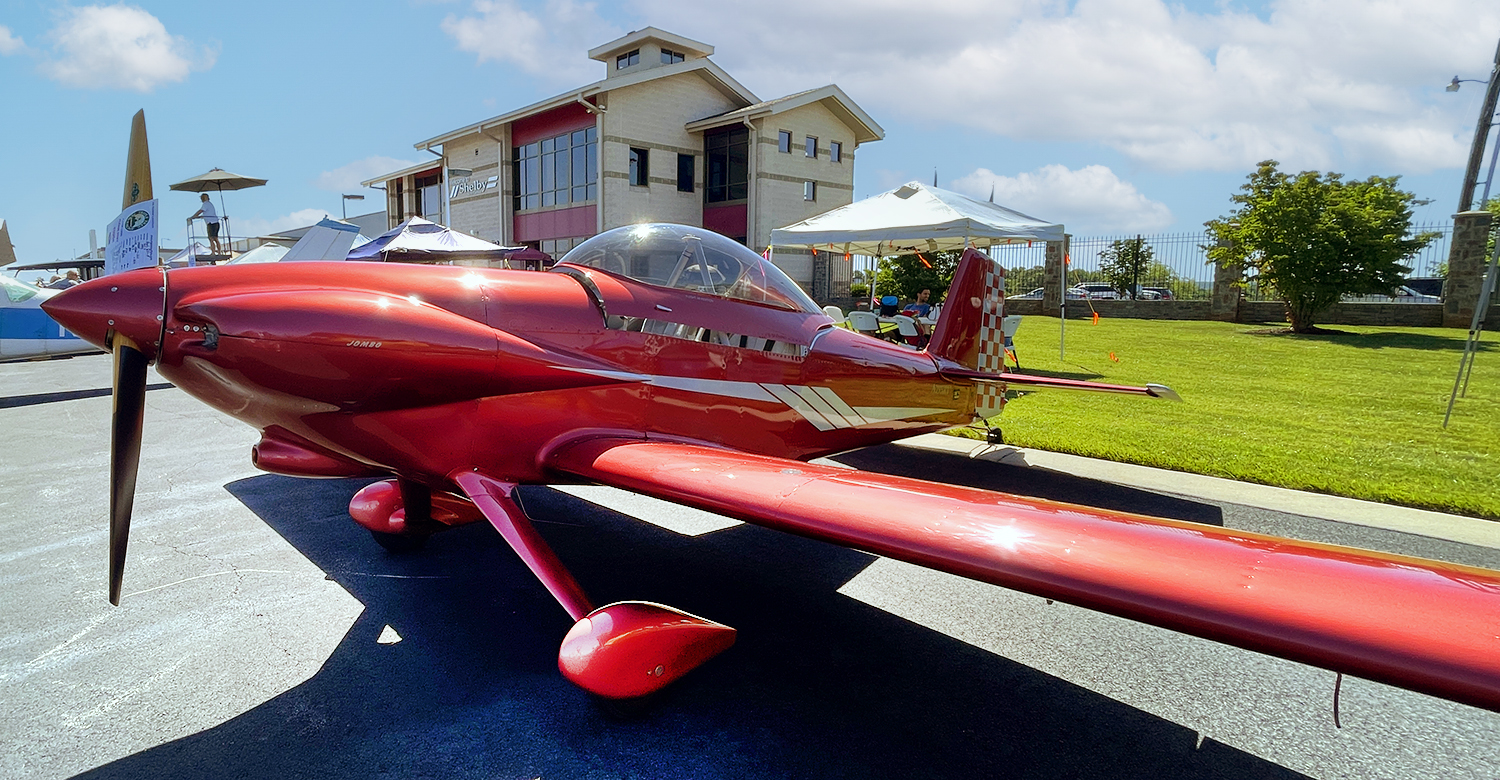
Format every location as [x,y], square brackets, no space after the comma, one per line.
[968,331]
[137,164]
[7,249]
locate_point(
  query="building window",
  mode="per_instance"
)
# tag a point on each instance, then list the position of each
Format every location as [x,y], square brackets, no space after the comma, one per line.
[627,59]
[430,197]
[835,151]
[668,56]
[685,166]
[809,190]
[727,165]
[557,247]
[784,142]
[640,166]
[812,147]
[585,164]
[557,171]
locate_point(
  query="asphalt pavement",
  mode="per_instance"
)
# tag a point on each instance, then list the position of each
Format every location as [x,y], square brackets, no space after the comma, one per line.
[262,633]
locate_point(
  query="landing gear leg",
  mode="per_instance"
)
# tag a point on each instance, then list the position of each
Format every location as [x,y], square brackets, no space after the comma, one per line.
[622,651]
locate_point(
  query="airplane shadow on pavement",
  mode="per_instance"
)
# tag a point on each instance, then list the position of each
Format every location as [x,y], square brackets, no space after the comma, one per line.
[819,685]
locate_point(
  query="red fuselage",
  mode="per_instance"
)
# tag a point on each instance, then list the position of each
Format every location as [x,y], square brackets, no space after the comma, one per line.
[420,370]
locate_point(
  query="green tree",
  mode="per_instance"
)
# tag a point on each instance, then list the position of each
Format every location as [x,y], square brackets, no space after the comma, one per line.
[906,275]
[1021,279]
[1315,238]
[1125,263]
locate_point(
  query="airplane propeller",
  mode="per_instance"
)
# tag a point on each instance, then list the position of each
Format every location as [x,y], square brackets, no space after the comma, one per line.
[125,452]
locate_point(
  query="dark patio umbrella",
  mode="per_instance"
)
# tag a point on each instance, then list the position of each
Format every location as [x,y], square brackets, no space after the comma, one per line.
[218,179]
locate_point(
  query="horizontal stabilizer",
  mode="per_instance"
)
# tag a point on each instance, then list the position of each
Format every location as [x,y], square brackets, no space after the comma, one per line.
[1047,382]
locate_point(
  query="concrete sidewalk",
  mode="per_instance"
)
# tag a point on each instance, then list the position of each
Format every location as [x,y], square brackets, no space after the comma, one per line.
[1456,528]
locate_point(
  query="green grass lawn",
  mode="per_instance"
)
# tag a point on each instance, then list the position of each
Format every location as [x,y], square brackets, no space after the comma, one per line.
[1358,414]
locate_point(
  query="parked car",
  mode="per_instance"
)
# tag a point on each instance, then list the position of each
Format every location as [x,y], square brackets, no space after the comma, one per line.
[1073,294]
[1402,294]
[1162,293]
[1098,291]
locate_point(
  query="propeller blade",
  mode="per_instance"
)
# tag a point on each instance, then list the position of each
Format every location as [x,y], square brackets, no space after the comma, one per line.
[125,453]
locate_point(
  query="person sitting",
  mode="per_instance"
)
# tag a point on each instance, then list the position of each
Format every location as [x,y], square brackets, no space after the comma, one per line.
[889,306]
[921,306]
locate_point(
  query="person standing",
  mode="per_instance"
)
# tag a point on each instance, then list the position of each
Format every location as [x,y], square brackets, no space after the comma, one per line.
[210,217]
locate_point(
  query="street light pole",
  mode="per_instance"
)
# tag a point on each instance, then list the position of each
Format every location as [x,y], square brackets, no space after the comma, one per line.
[344,204]
[1481,132]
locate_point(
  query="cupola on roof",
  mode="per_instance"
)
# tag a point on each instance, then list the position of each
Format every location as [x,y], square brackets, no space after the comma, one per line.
[648,43]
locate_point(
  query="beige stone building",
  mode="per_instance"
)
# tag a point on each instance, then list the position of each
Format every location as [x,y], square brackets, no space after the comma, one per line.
[665,136]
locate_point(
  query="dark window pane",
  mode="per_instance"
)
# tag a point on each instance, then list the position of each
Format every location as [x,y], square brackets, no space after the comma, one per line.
[580,163]
[784,142]
[640,167]
[812,147]
[685,165]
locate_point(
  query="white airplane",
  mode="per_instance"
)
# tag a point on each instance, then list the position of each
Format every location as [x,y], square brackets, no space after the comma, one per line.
[26,331]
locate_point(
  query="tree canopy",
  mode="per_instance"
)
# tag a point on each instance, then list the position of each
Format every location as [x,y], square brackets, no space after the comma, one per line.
[1315,237]
[1126,263]
[906,275]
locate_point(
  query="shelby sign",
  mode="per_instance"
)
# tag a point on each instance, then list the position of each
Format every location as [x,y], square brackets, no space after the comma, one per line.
[464,188]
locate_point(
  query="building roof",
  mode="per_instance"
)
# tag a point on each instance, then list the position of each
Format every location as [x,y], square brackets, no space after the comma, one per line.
[435,162]
[831,97]
[633,40]
[704,68]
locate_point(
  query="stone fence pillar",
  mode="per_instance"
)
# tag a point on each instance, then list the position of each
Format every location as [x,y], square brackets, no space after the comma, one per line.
[1224,305]
[1466,266]
[1054,270]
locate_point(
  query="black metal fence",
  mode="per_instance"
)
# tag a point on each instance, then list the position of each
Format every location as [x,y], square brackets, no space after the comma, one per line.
[1178,263]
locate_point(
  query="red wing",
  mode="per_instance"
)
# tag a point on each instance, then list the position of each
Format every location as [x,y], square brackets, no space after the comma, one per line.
[1428,626]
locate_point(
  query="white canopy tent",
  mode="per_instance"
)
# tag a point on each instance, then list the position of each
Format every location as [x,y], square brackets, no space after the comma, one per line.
[914,217]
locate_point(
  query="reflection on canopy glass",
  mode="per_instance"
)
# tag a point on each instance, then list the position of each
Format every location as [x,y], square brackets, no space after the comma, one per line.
[689,258]
[17,291]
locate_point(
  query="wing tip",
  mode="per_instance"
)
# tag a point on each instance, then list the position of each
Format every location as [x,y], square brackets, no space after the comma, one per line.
[1162,391]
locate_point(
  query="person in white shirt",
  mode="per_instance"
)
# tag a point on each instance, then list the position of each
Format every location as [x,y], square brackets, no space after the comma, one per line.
[210,218]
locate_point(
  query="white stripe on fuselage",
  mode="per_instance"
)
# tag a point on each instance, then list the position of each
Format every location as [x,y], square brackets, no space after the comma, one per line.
[820,406]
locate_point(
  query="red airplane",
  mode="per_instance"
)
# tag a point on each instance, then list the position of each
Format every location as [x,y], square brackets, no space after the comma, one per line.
[673,362]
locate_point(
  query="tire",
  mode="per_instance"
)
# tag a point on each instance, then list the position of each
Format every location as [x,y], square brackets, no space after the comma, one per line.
[400,543]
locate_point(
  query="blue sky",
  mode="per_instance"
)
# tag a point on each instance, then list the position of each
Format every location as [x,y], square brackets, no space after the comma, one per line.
[1111,116]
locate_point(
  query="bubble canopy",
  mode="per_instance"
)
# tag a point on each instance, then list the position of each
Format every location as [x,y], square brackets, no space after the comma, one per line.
[690,258]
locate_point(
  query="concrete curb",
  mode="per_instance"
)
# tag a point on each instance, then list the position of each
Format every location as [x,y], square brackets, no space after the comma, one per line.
[1456,528]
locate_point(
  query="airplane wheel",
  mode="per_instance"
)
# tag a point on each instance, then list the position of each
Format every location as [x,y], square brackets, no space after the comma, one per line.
[400,543]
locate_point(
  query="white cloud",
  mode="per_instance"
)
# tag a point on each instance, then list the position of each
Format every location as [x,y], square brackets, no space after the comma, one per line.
[259,226]
[545,45]
[1313,83]
[347,178]
[10,44]
[120,46]
[1091,199]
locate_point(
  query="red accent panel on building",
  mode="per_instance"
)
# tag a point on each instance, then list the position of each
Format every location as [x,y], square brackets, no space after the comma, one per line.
[560,223]
[728,220]
[550,123]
